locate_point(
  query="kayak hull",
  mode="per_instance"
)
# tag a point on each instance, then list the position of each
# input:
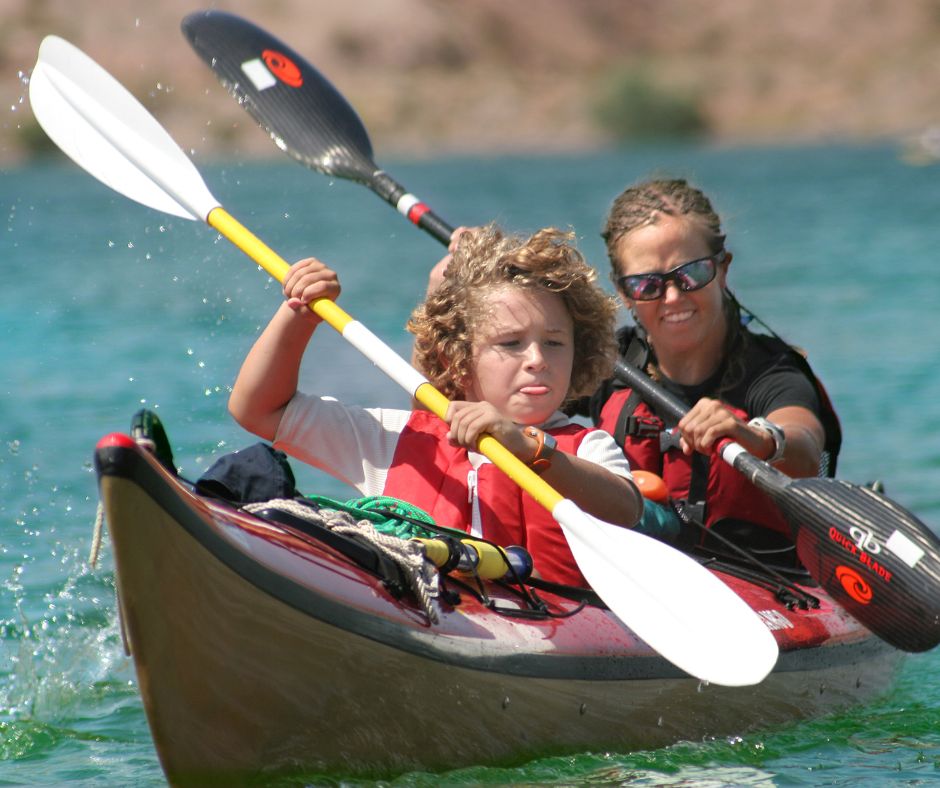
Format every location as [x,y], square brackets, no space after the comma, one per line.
[259,652]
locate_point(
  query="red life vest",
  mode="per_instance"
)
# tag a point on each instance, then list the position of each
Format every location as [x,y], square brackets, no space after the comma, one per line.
[431,473]
[728,494]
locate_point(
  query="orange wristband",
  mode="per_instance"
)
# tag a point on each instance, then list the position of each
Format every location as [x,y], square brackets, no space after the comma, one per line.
[542,458]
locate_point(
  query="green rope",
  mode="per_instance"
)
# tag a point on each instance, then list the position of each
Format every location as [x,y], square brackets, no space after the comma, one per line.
[389,519]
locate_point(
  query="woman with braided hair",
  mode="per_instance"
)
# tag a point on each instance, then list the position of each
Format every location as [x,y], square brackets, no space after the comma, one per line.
[670,262]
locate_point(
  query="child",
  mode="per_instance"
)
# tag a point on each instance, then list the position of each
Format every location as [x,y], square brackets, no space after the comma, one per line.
[516,328]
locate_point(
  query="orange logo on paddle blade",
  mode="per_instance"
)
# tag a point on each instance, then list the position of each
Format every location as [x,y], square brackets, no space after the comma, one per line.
[283,68]
[854,585]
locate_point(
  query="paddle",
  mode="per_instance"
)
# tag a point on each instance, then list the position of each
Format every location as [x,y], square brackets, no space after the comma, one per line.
[876,559]
[321,130]
[679,608]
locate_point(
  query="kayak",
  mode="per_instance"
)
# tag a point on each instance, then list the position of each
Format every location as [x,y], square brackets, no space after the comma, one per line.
[266,645]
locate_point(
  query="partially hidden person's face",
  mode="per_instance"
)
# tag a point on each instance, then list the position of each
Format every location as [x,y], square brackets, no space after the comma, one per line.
[523,352]
[678,321]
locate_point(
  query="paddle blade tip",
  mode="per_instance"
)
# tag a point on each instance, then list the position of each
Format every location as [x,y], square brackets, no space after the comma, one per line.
[104,129]
[299,108]
[669,600]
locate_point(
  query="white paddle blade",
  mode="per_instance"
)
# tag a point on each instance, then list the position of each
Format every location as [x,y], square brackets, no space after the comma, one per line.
[671,601]
[106,131]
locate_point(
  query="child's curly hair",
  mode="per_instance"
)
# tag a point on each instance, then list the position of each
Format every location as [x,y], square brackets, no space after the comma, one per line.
[486,258]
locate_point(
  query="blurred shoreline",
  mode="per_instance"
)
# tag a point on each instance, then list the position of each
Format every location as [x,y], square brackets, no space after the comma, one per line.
[438,77]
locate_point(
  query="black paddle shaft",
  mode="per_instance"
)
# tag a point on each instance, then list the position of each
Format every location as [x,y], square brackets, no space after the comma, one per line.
[306,116]
[876,559]
[405,203]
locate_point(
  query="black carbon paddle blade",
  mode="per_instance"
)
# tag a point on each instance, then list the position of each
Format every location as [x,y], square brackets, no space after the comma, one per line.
[264,75]
[875,558]
[305,115]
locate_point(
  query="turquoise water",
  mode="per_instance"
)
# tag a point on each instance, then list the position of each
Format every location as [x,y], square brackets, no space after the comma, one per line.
[106,306]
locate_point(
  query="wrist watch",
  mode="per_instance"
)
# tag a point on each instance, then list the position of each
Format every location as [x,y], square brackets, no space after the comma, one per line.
[542,458]
[776,434]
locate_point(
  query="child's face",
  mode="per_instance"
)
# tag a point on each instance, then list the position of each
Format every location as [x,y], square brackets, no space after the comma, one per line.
[523,351]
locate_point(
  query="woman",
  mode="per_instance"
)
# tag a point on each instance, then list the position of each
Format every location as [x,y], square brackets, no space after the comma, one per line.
[517,327]
[670,267]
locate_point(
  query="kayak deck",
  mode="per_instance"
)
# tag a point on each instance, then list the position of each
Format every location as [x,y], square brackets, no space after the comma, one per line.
[260,650]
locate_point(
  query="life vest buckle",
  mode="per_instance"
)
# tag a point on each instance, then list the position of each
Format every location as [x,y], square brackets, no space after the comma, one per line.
[669,439]
[644,426]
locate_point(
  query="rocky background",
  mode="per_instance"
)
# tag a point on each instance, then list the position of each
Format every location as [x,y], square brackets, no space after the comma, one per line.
[494,76]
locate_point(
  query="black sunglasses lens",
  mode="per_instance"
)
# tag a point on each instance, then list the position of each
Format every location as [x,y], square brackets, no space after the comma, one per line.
[695,275]
[688,277]
[646,287]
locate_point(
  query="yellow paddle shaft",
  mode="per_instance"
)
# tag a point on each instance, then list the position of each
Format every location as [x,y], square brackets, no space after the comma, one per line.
[226,224]
[272,262]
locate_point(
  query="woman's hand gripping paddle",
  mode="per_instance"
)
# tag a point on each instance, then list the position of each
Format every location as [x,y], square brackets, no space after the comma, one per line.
[876,559]
[679,608]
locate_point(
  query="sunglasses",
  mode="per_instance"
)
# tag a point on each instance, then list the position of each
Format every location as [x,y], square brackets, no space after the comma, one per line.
[688,277]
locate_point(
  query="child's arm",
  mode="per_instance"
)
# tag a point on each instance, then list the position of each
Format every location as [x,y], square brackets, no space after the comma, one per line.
[595,489]
[268,377]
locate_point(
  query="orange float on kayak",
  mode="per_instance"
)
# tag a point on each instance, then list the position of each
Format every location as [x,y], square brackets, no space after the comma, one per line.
[652,486]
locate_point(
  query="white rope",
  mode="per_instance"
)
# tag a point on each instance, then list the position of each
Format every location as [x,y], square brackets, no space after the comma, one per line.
[96,536]
[409,556]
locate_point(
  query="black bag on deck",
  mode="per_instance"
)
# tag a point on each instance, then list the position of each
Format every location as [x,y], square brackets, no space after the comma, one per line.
[253,475]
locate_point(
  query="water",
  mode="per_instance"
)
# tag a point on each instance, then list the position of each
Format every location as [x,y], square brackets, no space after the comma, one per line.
[106,306]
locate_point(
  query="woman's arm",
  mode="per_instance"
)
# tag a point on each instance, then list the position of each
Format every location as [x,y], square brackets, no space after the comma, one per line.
[709,421]
[805,439]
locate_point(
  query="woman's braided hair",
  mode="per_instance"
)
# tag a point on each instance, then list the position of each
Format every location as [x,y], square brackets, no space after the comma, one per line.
[641,205]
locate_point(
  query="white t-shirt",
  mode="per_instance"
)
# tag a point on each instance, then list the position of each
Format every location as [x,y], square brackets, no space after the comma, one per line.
[357,445]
